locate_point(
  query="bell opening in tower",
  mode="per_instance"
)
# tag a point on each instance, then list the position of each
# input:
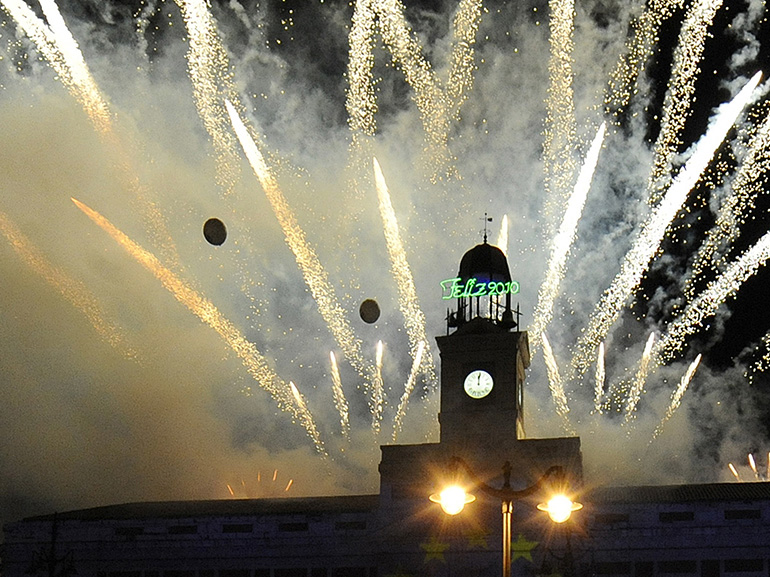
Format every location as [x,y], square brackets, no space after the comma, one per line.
[482,289]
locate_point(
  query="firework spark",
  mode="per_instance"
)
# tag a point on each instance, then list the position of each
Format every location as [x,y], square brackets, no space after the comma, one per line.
[58,46]
[707,302]
[502,237]
[557,386]
[378,391]
[71,289]
[746,186]
[209,68]
[340,402]
[253,360]
[676,396]
[652,232]
[624,79]
[637,387]
[414,318]
[56,43]
[438,104]
[306,418]
[315,275]
[562,242]
[680,93]
[599,379]
[408,388]
[560,123]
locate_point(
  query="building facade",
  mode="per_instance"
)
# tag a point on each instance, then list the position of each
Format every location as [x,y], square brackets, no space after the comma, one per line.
[704,530]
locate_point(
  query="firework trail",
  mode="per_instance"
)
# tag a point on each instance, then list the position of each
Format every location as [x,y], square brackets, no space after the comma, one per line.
[361,103]
[753,466]
[255,363]
[763,363]
[562,242]
[315,275]
[560,123]
[414,318]
[599,379]
[556,386]
[637,386]
[340,402]
[429,97]
[209,71]
[745,187]
[57,45]
[306,418]
[60,49]
[72,290]
[624,78]
[502,237]
[676,396]
[378,391]
[648,241]
[465,27]
[408,388]
[708,301]
[734,472]
[680,93]
[438,104]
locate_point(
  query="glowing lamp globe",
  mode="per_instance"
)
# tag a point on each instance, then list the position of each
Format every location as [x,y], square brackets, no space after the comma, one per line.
[560,508]
[453,499]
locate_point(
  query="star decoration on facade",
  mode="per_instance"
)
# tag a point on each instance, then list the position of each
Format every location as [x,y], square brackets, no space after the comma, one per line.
[434,549]
[522,548]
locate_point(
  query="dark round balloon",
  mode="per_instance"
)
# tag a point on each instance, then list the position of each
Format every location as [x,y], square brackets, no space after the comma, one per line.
[369,311]
[214,231]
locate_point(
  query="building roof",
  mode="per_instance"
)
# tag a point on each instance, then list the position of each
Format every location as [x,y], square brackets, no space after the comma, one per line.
[681,493]
[220,508]
[722,492]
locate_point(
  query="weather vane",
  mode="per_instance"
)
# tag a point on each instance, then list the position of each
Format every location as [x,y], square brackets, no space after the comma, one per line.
[487,219]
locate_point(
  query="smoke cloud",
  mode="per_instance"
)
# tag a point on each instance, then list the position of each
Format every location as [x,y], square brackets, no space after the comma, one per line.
[166,410]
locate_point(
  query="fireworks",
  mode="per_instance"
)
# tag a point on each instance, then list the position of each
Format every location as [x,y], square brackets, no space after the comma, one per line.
[681,91]
[441,94]
[647,243]
[340,402]
[758,476]
[205,310]
[599,378]
[312,269]
[637,386]
[209,68]
[69,288]
[414,319]
[408,388]
[563,240]
[378,391]
[557,386]
[560,123]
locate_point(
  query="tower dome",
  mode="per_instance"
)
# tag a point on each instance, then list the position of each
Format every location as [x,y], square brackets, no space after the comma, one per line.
[483,289]
[484,262]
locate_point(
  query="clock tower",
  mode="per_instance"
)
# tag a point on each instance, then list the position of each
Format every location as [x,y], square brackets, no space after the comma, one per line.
[483,356]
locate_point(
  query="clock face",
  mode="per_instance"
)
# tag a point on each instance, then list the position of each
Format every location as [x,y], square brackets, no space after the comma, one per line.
[478,384]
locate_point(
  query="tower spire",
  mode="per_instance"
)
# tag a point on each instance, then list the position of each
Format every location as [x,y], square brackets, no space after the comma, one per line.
[487,219]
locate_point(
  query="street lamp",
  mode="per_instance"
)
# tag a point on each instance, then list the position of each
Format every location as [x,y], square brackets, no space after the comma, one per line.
[559,507]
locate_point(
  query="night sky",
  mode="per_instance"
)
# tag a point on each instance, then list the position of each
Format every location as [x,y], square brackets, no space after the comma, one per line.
[113,390]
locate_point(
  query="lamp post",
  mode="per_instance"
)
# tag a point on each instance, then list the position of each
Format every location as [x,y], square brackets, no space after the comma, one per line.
[559,507]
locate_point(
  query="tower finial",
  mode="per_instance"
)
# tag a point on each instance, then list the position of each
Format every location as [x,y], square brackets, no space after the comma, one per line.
[487,219]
